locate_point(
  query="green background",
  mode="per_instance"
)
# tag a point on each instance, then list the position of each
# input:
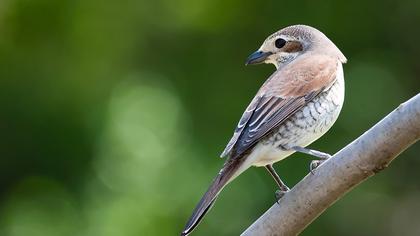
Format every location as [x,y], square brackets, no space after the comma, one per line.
[113,113]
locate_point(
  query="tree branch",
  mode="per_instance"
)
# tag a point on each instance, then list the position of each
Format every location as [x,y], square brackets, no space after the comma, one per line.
[364,157]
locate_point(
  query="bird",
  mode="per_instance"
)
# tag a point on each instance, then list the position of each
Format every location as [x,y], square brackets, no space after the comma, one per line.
[294,107]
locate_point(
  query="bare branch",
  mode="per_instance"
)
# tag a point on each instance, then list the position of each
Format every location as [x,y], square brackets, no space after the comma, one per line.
[364,157]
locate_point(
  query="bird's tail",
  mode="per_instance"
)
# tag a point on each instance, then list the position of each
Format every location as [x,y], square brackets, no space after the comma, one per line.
[228,172]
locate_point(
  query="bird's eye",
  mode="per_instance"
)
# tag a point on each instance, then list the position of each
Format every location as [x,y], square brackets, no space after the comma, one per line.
[280,43]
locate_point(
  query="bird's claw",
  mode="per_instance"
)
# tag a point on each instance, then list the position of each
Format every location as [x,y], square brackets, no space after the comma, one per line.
[314,164]
[280,193]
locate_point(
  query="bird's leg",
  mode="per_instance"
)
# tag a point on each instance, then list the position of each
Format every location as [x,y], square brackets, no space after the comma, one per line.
[282,186]
[315,163]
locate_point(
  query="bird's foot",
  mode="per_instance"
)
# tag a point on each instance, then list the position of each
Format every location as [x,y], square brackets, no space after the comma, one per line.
[315,163]
[280,193]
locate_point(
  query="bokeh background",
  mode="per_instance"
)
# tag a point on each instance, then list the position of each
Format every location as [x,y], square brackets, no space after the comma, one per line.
[113,114]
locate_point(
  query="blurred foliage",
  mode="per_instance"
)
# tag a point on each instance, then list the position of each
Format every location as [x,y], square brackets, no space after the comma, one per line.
[113,113]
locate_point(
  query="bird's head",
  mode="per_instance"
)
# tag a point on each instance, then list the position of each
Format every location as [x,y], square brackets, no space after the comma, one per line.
[287,44]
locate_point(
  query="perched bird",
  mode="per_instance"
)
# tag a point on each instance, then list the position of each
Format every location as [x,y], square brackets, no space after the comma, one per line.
[297,104]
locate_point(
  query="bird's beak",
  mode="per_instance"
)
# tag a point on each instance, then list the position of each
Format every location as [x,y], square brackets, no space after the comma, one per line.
[257,57]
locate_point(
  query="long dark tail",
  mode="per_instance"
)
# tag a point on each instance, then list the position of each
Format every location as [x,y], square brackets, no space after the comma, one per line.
[227,172]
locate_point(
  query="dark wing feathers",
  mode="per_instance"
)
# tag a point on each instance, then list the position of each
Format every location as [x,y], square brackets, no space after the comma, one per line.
[270,112]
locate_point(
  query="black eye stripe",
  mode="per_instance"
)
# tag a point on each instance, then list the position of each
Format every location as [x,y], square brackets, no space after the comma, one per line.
[279,43]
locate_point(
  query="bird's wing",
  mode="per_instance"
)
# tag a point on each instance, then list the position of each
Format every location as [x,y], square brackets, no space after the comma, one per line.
[284,93]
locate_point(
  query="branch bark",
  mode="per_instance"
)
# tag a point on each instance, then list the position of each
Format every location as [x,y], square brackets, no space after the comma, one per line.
[364,157]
